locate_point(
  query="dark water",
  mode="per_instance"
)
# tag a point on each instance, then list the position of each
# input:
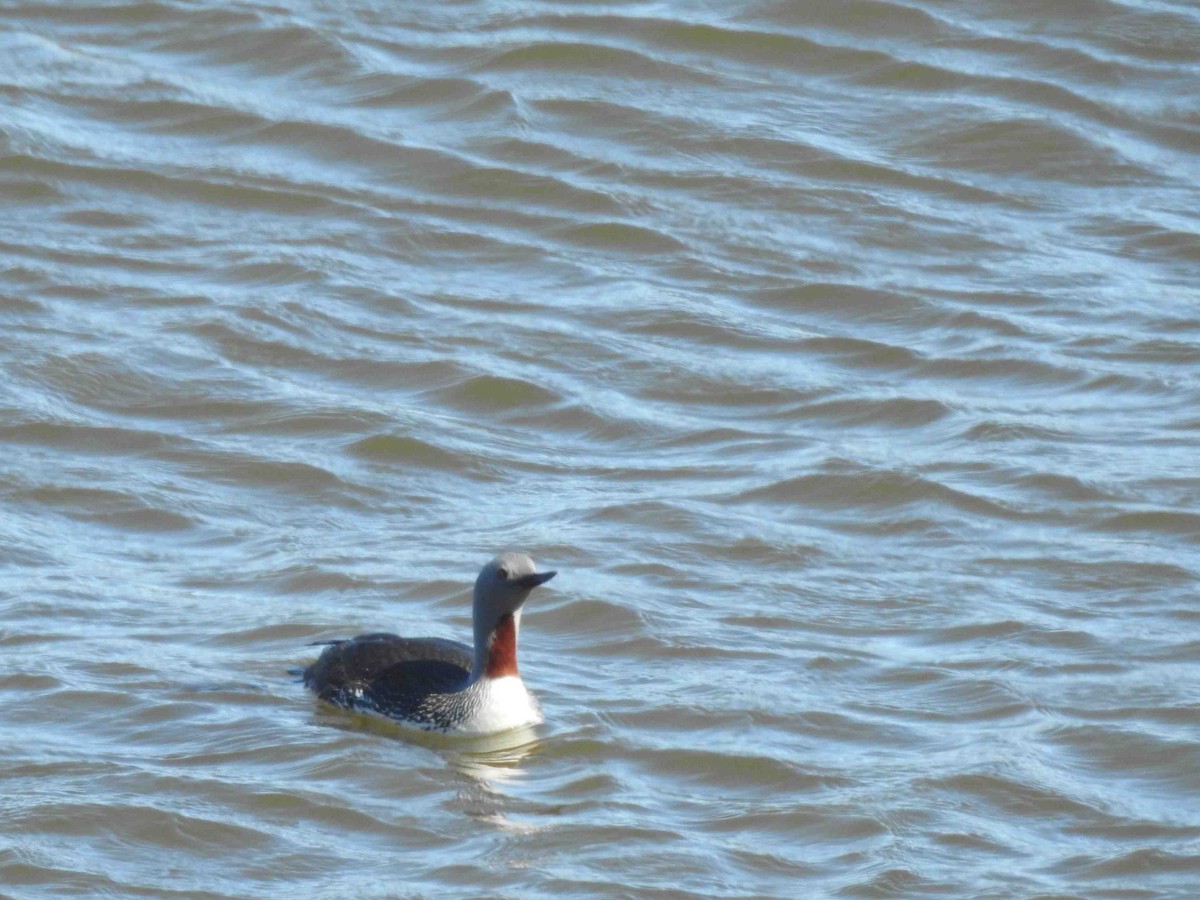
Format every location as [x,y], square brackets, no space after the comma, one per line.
[844,359]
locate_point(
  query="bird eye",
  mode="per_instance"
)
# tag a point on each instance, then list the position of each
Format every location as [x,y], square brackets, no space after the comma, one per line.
[503,573]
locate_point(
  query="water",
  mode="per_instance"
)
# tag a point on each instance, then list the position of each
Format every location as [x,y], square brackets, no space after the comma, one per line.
[842,359]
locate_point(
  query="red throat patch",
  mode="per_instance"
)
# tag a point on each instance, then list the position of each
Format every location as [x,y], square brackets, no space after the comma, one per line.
[502,649]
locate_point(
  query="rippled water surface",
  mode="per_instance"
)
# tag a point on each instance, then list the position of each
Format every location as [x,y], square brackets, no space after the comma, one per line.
[844,359]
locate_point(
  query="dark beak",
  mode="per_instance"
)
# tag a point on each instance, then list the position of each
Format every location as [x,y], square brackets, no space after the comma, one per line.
[529,582]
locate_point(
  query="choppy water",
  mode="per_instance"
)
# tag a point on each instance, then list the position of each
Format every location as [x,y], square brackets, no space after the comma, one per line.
[844,359]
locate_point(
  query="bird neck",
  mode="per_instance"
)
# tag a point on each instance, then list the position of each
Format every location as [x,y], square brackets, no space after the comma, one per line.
[496,647]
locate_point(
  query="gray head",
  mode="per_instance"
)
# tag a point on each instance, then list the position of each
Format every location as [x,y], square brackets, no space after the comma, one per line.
[504,584]
[501,591]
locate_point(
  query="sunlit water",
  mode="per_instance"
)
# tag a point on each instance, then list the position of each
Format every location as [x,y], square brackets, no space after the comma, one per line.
[843,358]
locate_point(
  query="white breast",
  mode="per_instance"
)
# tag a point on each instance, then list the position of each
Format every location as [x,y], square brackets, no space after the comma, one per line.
[499,704]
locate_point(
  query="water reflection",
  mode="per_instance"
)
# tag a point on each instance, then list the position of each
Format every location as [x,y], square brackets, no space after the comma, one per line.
[489,760]
[497,758]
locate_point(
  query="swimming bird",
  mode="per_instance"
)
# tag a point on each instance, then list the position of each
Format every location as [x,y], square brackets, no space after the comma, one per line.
[436,684]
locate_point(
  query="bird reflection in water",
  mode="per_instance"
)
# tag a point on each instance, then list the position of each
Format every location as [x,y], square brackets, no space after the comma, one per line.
[489,760]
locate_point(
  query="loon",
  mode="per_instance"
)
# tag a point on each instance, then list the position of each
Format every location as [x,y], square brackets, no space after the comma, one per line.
[439,685]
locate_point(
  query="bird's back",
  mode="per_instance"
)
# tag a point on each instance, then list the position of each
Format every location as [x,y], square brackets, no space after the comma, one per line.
[405,678]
